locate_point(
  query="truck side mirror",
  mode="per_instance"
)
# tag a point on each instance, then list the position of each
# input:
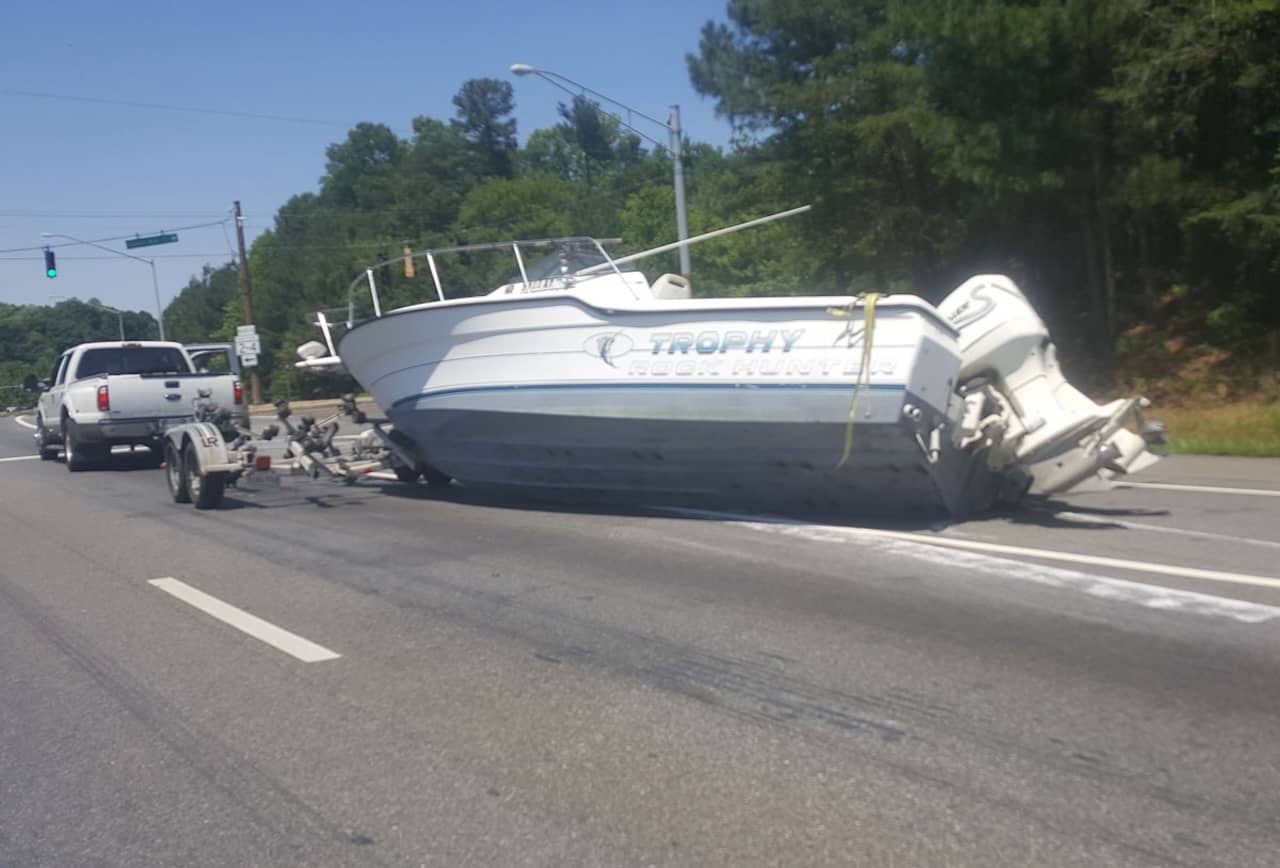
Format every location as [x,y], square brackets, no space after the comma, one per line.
[31,385]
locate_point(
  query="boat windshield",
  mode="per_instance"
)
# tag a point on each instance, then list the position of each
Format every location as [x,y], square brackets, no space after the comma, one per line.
[568,258]
[478,269]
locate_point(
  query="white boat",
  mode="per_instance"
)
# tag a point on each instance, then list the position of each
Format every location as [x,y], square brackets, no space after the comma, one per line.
[581,376]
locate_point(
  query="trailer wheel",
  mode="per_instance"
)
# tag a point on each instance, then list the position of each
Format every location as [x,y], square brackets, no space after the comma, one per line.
[206,491]
[175,475]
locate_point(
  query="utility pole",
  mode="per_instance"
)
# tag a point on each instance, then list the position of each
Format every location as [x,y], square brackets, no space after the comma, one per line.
[255,384]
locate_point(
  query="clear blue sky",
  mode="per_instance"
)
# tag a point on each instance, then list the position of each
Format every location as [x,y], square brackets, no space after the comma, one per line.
[95,170]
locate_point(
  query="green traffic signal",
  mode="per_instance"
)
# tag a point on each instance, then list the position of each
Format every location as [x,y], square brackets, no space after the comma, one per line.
[50,264]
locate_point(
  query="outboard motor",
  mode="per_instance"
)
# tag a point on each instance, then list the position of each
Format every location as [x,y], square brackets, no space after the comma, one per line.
[1018,402]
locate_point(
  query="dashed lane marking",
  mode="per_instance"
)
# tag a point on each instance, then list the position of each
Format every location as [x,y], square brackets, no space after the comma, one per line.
[277,637]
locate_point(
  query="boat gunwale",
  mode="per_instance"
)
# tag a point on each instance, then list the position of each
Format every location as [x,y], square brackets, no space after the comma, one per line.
[696,305]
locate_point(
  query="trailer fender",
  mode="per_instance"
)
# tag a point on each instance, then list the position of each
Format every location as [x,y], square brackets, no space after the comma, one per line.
[208,446]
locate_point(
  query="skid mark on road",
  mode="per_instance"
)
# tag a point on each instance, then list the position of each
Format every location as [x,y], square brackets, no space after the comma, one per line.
[278,817]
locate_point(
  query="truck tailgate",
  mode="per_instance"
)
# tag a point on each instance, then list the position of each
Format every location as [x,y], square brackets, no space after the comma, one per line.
[163,396]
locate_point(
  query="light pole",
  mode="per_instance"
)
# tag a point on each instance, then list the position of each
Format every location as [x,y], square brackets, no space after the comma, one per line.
[671,125]
[155,284]
[119,313]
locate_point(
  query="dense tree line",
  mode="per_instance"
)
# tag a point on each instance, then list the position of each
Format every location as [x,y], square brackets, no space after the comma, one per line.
[33,336]
[1119,158]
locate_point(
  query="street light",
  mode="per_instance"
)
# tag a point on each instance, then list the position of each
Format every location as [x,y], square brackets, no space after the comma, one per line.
[671,125]
[119,313]
[155,284]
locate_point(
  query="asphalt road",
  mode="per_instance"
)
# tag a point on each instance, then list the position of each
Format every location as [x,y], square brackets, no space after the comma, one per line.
[519,684]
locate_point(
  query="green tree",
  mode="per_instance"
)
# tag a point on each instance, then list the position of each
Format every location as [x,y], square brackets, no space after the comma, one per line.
[1103,152]
[360,171]
[484,107]
[196,313]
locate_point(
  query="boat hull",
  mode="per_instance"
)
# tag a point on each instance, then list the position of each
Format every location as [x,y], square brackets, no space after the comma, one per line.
[733,405]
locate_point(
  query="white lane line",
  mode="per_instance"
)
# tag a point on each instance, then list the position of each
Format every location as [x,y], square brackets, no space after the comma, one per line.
[1201,489]
[925,546]
[21,458]
[1087,518]
[1104,587]
[22,420]
[277,637]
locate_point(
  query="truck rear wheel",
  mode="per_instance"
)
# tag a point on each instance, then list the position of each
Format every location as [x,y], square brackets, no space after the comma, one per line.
[48,451]
[78,456]
[206,491]
[175,475]
[154,456]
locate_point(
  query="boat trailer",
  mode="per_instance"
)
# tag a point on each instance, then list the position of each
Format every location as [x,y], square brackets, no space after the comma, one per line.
[204,457]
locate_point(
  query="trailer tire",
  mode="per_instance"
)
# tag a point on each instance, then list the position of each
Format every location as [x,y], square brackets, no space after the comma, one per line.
[175,475]
[206,491]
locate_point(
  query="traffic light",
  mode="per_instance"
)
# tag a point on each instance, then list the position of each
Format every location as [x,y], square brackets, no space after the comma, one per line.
[50,264]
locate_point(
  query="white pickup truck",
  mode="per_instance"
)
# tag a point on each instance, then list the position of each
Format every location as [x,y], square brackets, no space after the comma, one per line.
[125,393]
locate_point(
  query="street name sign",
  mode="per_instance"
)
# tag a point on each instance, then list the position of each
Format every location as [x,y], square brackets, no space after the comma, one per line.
[151,240]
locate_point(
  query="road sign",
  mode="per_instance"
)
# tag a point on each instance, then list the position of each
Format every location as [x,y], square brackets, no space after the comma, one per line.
[151,240]
[247,343]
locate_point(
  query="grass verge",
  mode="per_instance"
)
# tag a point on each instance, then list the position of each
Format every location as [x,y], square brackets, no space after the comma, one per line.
[1247,427]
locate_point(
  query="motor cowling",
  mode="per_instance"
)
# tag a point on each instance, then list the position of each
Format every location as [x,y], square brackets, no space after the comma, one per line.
[1051,428]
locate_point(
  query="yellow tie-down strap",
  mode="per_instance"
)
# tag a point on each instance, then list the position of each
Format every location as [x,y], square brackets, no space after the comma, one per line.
[864,374]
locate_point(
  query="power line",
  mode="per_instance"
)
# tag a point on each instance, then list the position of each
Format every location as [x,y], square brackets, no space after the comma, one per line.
[110,215]
[112,238]
[114,258]
[175,108]
[227,238]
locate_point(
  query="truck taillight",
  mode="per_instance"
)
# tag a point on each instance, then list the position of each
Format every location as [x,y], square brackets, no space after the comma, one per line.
[104,399]
[239,391]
